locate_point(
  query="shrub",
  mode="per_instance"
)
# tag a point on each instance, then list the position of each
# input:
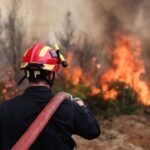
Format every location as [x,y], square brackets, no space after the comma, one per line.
[125,103]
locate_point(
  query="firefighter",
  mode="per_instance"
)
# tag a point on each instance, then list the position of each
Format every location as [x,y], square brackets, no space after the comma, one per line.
[40,63]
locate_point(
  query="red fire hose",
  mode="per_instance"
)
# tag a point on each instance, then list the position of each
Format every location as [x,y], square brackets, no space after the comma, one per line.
[39,123]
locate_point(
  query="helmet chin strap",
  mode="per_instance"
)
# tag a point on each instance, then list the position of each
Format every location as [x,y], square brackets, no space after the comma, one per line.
[21,80]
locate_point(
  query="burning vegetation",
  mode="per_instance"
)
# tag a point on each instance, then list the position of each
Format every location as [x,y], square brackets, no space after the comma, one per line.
[127,72]
[110,74]
[127,68]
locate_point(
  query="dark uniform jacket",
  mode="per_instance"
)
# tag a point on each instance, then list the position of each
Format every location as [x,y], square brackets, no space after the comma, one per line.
[17,114]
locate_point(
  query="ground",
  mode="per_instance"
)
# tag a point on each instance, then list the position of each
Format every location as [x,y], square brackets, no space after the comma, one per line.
[120,133]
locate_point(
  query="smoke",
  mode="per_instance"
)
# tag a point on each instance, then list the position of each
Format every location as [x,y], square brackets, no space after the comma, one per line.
[120,16]
[100,20]
[130,18]
[47,17]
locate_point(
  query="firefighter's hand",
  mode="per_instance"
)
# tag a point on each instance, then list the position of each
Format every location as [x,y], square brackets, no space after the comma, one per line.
[70,97]
[77,100]
[80,102]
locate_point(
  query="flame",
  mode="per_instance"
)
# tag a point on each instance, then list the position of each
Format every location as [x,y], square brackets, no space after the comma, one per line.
[74,74]
[95,90]
[127,67]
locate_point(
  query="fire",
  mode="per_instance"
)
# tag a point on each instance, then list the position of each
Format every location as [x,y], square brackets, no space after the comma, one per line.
[73,74]
[127,67]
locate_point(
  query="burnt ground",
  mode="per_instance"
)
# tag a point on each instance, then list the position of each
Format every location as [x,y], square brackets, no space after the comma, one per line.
[120,133]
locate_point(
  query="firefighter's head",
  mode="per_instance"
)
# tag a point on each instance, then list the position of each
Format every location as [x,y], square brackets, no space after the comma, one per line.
[41,62]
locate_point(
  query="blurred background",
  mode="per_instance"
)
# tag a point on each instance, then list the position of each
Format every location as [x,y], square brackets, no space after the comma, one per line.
[106,44]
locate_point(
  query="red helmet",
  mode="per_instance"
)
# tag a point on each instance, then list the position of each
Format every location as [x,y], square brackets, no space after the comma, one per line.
[41,62]
[43,57]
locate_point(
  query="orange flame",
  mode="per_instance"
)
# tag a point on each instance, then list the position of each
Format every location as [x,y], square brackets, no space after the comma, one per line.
[127,68]
[74,74]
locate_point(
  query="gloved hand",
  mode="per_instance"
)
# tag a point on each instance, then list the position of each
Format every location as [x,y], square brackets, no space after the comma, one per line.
[76,99]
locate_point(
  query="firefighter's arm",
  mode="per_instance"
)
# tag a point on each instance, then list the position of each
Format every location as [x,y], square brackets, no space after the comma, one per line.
[85,124]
